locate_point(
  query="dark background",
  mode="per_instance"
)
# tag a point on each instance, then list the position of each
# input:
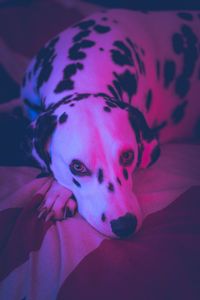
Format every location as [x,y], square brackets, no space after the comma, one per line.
[133,4]
[150,4]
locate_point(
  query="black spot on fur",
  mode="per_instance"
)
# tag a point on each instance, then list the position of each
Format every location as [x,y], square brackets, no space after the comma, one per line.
[81,96]
[122,105]
[178,43]
[84,25]
[114,100]
[86,44]
[127,84]
[139,125]
[72,104]
[64,100]
[104,18]
[76,182]
[44,62]
[101,49]
[114,93]
[190,58]
[101,29]
[148,100]
[185,16]
[81,35]
[189,35]
[111,187]
[75,52]
[67,97]
[125,173]
[44,128]
[185,43]
[182,86]
[70,70]
[107,109]
[63,118]
[117,88]
[138,57]
[169,72]
[119,181]
[100,176]
[111,104]
[103,217]
[66,84]
[122,55]
[140,152]
[158,126]
[45,54]
[103,95]
[179,112]
[154,155]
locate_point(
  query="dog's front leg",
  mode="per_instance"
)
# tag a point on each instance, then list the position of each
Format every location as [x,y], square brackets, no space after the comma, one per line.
[58,204]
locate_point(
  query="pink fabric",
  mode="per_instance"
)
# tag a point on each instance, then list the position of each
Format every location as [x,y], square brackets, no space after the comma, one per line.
[21,233]
[37,256]
[161,262]
[70,259]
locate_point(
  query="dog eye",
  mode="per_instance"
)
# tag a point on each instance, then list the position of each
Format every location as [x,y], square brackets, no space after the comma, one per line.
[78,168]
[126,158]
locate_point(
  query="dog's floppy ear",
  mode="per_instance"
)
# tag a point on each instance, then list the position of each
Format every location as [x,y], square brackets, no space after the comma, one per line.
[43,128]
[149,150]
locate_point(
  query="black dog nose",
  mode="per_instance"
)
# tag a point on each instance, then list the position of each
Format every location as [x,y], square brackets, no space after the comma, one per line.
[124,226]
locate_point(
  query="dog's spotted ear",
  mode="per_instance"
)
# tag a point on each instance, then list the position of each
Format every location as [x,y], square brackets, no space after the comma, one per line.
[43,128]
[148,146]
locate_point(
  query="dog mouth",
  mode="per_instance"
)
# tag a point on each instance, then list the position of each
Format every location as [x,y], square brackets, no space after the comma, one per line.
[121,226]
[120,220]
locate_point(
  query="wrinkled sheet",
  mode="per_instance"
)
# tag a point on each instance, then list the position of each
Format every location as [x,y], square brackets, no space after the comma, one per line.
[71,260]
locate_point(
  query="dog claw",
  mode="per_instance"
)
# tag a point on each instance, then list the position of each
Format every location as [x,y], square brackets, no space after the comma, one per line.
[49,216]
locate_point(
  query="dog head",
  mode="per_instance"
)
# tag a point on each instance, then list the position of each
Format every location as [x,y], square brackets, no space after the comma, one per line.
[92,148]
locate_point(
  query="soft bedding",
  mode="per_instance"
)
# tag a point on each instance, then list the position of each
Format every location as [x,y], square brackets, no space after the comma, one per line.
[70,259]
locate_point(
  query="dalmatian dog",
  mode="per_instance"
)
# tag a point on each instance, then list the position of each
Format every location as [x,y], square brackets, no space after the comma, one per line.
[102,96]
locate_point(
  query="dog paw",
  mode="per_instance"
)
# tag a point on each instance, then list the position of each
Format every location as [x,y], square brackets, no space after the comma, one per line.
[58,204]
